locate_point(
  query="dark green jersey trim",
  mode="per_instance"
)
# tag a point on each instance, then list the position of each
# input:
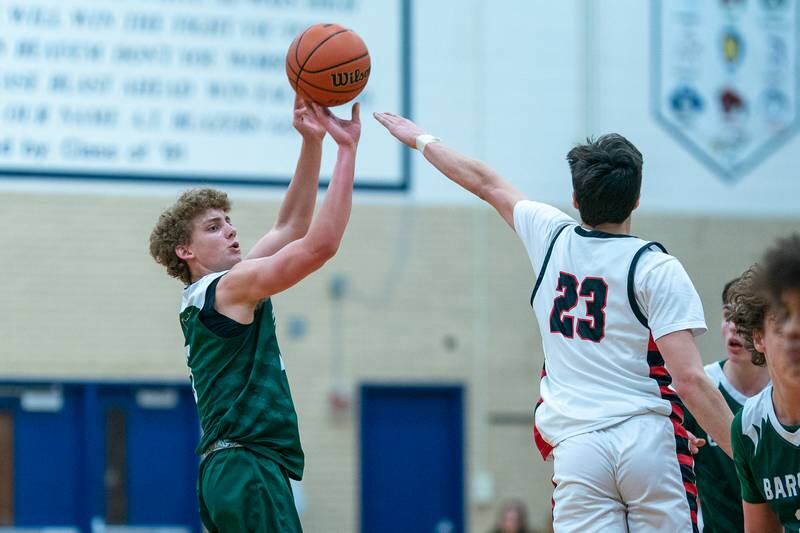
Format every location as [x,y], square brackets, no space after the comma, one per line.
[546,260]
[597,234]
[216,322]
[631,272]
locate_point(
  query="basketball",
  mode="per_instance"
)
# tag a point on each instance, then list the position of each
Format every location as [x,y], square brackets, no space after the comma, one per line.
[329,64]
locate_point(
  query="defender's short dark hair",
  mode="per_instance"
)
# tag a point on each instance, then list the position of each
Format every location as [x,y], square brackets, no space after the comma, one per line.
[606,178]
[782,266]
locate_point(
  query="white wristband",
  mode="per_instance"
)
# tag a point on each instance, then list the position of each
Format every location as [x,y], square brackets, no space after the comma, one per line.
[424,140]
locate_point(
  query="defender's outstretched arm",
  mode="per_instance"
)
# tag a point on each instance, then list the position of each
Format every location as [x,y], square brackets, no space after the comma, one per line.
[471,174]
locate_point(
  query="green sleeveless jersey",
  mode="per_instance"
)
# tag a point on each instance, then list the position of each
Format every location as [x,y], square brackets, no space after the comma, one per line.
[240,383]
[717,484]
[767,457]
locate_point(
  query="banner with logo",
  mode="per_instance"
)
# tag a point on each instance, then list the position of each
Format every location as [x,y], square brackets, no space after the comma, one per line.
[725,78]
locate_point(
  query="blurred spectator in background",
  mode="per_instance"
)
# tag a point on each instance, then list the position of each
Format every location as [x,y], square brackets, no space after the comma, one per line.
[513,518]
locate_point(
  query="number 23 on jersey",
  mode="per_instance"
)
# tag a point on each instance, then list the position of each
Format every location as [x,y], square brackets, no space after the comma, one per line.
[594,292]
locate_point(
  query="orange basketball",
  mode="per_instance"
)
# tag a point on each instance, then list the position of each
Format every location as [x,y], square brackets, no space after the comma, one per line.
[328,64]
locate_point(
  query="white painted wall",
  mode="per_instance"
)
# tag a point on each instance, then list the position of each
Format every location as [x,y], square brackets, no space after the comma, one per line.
[517,83]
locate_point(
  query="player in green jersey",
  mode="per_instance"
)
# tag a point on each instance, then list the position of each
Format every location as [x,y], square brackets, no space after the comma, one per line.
[737,379]
[251,445]
[765,306]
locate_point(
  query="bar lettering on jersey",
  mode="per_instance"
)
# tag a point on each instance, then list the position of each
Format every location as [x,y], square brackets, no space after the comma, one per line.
[779,492]
[776,488]
[791,485]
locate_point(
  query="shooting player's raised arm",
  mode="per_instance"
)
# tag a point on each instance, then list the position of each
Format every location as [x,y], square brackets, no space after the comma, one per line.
[297,208]
[255,279]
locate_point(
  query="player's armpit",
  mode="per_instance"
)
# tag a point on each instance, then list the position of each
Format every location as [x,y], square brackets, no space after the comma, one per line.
[503,197]
[759,518]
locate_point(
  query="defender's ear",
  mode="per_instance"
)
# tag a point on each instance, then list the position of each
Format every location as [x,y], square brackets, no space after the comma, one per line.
[758,340]
[637,202]
[575,201]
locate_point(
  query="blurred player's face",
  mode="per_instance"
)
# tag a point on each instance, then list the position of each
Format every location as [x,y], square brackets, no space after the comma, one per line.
[734,345]
[790,322]
[214,246]
[772,341]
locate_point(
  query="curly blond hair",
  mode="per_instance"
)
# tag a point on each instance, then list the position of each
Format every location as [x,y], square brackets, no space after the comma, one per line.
[174,227]
[747,306]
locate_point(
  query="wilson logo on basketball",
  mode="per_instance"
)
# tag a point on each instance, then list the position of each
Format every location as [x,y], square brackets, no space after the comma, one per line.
[341,79]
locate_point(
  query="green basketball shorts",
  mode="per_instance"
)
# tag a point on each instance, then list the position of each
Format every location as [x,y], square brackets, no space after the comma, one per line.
[241,491]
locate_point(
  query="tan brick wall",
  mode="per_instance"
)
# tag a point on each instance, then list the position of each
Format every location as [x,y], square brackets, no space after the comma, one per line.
[435,294]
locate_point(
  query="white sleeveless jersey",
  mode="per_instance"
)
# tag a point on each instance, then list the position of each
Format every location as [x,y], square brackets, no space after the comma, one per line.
[600,301]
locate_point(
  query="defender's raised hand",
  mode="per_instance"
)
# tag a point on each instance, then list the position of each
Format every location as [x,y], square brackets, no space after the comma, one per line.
[306,122]
[403,129]
[344,132]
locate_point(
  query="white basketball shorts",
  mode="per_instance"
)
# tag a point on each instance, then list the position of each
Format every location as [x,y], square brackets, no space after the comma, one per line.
[634,477]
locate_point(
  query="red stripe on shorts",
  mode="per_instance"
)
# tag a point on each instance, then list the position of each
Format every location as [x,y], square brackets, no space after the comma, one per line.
[661,375]
[542,445]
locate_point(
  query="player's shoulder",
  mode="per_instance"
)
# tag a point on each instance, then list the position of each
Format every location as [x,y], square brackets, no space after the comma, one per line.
[654,255]
[754,415]
[194,295]
[531,209]
[654,263]
[757,407]
[650,259]
[525,204]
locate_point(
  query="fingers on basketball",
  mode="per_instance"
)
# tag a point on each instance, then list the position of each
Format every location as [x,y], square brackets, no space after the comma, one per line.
[322,114]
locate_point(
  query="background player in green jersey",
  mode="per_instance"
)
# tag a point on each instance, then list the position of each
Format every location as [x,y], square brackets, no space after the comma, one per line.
[766,432]
[250,444]
[737,379]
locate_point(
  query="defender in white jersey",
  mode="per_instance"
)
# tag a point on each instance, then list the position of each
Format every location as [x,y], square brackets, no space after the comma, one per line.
[765,305]
[608,305]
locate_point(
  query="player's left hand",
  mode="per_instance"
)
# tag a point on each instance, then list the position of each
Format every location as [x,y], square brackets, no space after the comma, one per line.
[306,122]
[695,443]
